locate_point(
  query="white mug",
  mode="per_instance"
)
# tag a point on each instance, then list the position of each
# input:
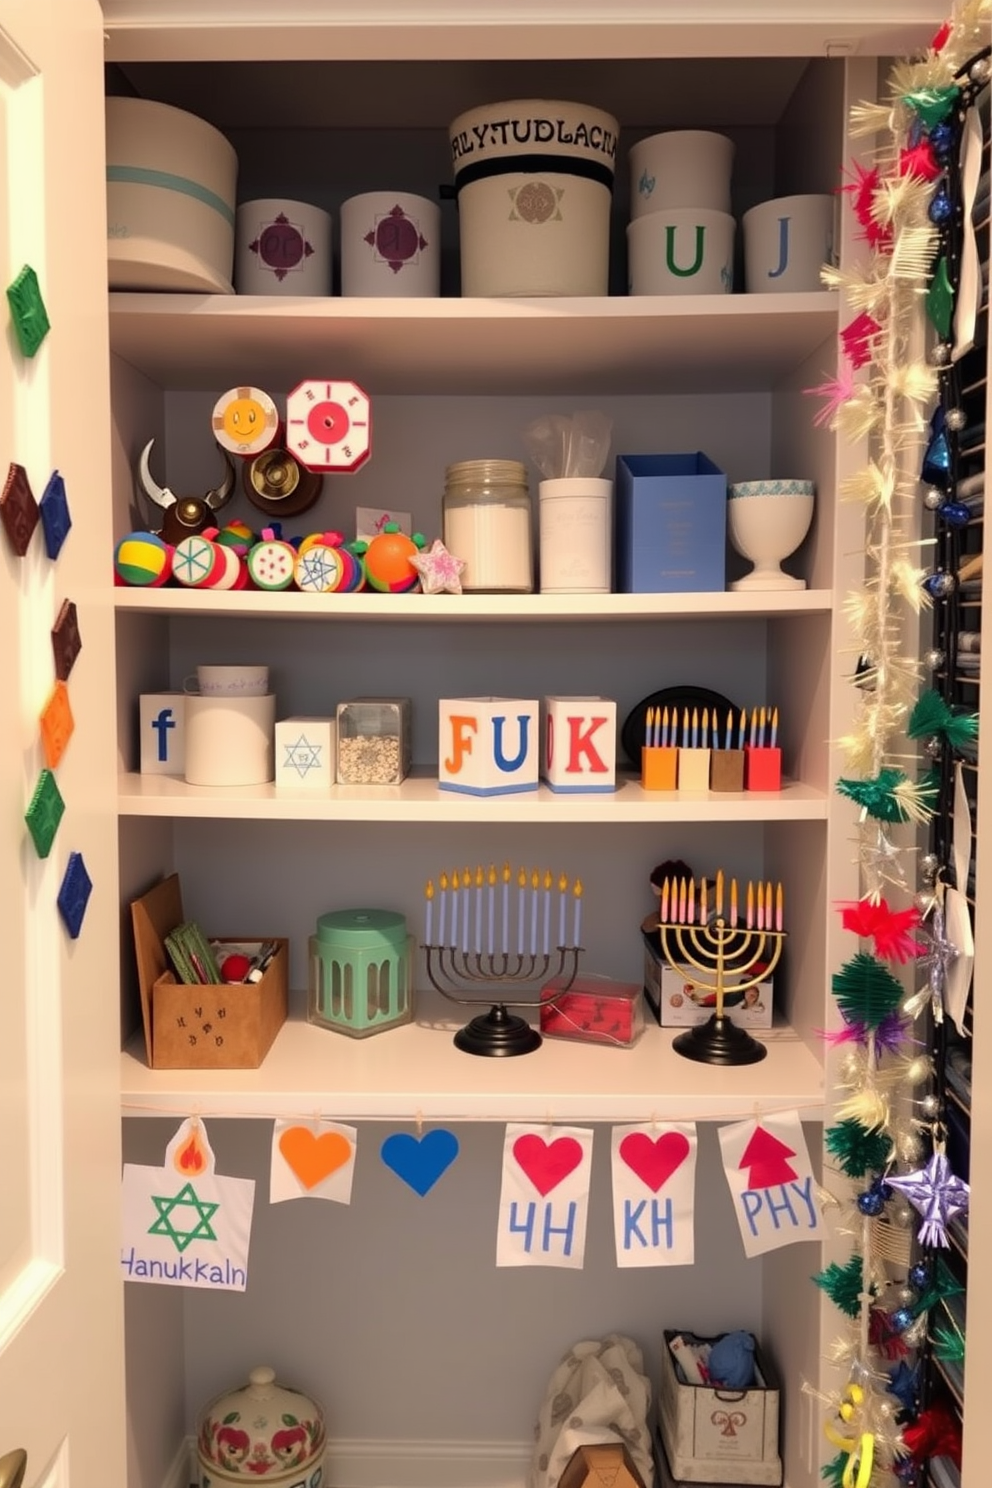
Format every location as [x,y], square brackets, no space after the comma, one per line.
[230,740]
[390,245]
[787,241]
[228,681]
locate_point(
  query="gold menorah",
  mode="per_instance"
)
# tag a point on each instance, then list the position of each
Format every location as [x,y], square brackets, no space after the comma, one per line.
[717,955]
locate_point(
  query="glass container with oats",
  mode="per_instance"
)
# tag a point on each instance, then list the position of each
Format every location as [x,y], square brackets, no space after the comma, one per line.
[373,741]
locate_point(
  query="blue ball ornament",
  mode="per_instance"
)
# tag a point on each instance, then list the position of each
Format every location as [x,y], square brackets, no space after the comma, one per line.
[942,140]
[939,585]
[941,208]
[955,514]
[871,1203]
[919,1275]
[900,1319]
[907,1472]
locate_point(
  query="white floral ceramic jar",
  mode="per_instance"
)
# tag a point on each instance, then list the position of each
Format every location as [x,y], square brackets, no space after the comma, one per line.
[262,1433]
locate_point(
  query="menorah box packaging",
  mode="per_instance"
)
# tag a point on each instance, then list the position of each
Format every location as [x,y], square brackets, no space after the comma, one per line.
[720,1436]
[677,1004]
[671,524]
[206,1025]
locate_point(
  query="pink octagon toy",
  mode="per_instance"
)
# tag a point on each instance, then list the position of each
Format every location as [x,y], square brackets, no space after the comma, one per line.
[329,425]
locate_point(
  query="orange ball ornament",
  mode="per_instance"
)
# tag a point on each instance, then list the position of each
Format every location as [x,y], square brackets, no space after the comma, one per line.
[387,560]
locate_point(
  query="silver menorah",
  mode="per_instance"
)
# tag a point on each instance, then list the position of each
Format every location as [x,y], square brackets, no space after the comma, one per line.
[504,974]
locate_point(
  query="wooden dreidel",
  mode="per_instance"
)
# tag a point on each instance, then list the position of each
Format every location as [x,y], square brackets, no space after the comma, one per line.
[488,746]
[580,744]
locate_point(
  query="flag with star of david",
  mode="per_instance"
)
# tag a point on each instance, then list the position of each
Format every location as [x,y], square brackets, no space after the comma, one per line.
[188,1230]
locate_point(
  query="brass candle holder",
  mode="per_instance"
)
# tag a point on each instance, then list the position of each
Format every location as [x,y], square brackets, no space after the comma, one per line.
[499,1033]
[706,955]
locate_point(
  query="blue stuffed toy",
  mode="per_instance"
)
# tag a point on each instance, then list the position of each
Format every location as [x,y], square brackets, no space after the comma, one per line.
[731,1362]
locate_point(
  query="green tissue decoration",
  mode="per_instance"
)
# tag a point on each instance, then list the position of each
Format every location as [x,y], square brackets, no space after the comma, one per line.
[866,991]
[932,105]
[948,1345]
[940,300]
[833,1472]
[931,715]
[857,1150]
[943,1284]
[883,796]
[843,1285]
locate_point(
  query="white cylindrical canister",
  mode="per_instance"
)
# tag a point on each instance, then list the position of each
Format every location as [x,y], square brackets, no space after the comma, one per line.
[681,168]
[390,245]
[171,187]
[229,740]
[576,522]
[534,181]
[681,252]
[787,241]
[282,248]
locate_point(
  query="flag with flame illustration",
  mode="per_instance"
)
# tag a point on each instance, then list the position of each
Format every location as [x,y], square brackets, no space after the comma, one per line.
[183,1224]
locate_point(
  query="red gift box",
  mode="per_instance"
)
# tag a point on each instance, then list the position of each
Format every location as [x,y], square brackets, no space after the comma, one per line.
[594,1010]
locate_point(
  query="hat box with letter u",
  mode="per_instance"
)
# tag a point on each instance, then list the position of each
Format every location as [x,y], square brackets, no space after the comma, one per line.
[171,183]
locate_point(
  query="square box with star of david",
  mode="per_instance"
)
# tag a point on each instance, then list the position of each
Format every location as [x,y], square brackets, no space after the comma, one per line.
[306,752]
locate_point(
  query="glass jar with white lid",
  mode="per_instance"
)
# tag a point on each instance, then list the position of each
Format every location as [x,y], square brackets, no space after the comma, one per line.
[488,524]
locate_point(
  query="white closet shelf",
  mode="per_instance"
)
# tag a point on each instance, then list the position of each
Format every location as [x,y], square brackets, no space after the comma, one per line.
[416,1072]
[419,799]
[622,344]
[459,608]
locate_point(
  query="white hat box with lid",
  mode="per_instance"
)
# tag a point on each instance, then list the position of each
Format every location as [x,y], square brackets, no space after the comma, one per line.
[282,248]
[171,185]
[535,181]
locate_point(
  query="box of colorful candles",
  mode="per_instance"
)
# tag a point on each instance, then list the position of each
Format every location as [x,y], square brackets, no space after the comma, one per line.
[699,750]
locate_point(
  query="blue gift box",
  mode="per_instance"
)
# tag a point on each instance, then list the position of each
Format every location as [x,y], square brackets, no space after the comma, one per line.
[671,524]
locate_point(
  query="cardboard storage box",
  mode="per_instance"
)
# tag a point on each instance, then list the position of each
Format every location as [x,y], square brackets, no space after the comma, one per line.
[719,1436]
[671,524]
[607,1465]
[676,1004]
[223,1026]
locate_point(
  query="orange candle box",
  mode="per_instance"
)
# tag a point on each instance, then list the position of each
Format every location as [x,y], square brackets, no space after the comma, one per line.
[488,746]
[580,744]
[659,768]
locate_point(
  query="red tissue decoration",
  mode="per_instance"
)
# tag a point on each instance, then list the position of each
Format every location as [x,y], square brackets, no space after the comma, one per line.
[857,338]
[920,161]
[862,192]
[888,928]
[942,37]
[882,1335]
[934,1433]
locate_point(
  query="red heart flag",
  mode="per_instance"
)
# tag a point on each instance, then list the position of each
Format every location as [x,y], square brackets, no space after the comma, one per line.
[654,1160]
[547,1163]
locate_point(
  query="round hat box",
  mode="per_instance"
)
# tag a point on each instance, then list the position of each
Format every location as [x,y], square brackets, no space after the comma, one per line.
[261,1432]
[681,168]
[282,248]
[684,251]
[171,183]
[390,245]
[534,180]
[787,241]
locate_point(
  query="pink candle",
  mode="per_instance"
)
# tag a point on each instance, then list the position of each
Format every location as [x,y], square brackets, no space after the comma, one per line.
[778,907]
[664,902]
[749,920]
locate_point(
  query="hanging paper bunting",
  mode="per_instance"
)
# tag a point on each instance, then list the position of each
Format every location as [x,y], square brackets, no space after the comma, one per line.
[544,1196]
[183,1225]
[654,1183]
[315,1160]
[771,1181]
[420,1161]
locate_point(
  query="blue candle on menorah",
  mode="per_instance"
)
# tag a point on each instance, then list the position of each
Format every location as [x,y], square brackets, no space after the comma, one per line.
[462,972]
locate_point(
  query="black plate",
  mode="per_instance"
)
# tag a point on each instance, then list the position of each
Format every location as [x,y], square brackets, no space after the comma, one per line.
[632,732]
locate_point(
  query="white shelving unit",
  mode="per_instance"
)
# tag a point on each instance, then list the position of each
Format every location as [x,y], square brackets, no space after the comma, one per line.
[388,1286]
